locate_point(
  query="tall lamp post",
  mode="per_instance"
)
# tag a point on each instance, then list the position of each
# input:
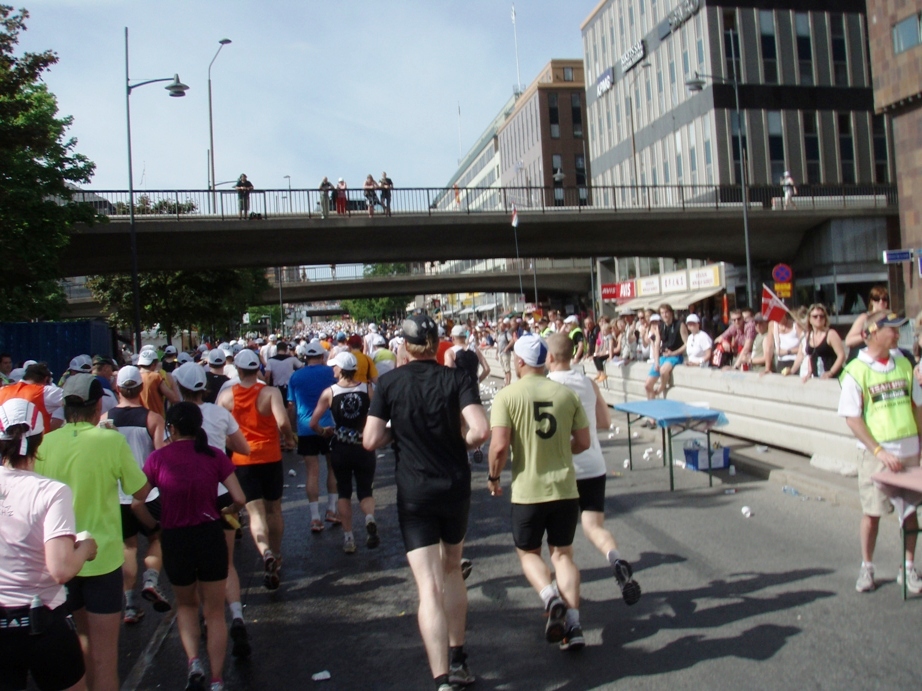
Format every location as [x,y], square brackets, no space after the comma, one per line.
[176,89]
[223,42]
[697,84]
[643,65]
[288,177]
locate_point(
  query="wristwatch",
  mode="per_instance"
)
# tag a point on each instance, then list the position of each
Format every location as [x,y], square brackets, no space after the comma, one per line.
[490,478]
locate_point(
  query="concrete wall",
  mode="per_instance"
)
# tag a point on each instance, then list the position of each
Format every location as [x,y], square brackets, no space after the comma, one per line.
[773,410]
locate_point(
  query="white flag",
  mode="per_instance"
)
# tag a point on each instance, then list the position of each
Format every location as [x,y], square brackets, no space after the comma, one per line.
[513,13]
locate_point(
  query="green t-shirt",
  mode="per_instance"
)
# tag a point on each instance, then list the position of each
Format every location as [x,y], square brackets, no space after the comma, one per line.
[91,461]
[541,414]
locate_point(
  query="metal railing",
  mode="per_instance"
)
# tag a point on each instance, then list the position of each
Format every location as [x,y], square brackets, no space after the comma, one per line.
[430,201]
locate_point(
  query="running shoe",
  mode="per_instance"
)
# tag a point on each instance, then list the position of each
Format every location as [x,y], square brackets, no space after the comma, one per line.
[556,627]
[624,574]
[460,674]
[333,517]
[913,582]
[865,582]
[478,455]
[316,526]
[240,637]
[217,686]
[152,593]
[573,639]
[446,687]
[372,540]
[271,579]
[133,614]
[196,679]
[349,545]
[466,567]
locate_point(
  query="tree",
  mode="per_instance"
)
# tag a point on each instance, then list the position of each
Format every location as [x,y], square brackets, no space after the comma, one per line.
[378,309]
[211,301]
[37,162]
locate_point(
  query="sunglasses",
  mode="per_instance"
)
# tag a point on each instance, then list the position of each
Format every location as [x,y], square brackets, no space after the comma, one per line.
[818,316]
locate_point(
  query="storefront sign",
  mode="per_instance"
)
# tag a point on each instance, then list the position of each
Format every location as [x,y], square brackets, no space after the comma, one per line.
[632,56]
[707,277]
[604,82]
[648,285]
[618,291]
[674,282]
[681,14]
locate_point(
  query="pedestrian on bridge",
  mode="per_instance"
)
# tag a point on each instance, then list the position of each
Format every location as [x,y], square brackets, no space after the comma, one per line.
[342,199]
[371,196]
[385,184]
[243,187]
[326,187]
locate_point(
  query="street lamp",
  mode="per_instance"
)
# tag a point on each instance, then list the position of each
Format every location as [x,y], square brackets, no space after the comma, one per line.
[223,42]
[697,84]
[288,177]
[176,89]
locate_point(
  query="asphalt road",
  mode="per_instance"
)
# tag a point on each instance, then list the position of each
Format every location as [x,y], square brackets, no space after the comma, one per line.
[729,602]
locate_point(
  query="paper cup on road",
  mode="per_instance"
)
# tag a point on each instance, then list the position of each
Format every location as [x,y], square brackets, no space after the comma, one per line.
[732,470]
[747,512]
[321,676]
[292,473]
[634,435]
[627,462]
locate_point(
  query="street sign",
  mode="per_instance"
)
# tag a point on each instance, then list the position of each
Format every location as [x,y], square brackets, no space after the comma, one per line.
[782,273]
[897,256]
[783,289]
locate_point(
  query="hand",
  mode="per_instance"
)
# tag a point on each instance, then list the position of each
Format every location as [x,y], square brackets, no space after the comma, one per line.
[496,489]
[892,462]
[827,375]
[91,547]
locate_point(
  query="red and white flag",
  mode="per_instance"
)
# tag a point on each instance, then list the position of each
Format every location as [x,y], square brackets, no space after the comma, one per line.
[515,217]
[773,309]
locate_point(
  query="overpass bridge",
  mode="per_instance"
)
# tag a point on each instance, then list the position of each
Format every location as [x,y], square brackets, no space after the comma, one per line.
[188,229]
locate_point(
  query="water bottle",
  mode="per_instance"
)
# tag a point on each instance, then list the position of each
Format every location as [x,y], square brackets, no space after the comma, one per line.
[787,489]
[36,616]
[820,367]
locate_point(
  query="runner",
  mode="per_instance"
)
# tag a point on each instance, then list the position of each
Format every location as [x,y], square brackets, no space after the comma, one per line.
[536,418]
[383,357]
[156,389]
[304,390]
[215,377]
[590,464]
[280,367]
[348,401]
[261,414]
[426,405]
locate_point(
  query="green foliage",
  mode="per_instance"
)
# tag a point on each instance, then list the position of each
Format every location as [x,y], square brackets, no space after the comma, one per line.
[143,206]
[258,315]
[37,162]
[211,301]
[377,309]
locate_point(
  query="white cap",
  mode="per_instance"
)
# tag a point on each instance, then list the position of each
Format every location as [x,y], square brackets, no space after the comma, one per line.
[147,357]
[379,341]
[246,360]
[273,337]
[190,376]
[129,377]
[372,327]
[313,349]
[19,411]
[344,361]
[81,363]
[183,358]
[458,330]
[169,350]
[217,357]
[506,321]
[692,319]
[532,349]
[572,319]
[17,374]
[655,318]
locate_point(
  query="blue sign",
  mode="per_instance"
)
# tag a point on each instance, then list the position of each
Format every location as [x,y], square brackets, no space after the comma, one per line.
[920,266]
[897,256]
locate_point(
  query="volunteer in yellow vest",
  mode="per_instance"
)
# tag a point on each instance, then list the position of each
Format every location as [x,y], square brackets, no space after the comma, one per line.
[880,402]
[571,327]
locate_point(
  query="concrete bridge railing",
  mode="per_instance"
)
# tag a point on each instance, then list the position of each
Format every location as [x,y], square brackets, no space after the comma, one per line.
[772,410]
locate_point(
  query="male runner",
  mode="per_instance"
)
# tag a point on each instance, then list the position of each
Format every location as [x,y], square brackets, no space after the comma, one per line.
[426,405]
[545,425]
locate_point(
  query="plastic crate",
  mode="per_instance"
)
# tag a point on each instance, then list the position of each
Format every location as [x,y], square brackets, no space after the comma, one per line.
[695,458]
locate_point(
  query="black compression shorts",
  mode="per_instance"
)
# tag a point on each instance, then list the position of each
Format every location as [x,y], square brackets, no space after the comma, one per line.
[592,494]
[261,481]
[423,525]
[54,657]
[556,518]
[350,460]
[195,553]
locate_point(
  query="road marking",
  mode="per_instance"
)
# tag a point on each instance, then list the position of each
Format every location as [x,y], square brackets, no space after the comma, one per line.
[136,676]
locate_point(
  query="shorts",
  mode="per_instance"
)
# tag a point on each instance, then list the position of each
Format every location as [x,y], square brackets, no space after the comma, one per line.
[313,445]
[99,594]
[261,481]
[195,553]
[131,526]
[505,361]
[873,501]
[424,525]
[592,494]
[54,657]
[350,460]
[672,360]
[556,518]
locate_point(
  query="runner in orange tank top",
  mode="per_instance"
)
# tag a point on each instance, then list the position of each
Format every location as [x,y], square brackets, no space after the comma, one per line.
[32,389]
[261,414]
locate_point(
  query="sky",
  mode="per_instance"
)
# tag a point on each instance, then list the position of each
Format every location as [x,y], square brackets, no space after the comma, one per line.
[306,88]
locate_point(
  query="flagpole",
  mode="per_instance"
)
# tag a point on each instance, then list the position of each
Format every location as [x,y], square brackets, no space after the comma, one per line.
[515,34]
[460,151]
[518,260]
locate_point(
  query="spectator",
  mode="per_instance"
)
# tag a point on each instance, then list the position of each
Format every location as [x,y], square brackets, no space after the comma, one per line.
[878,299]
[342,201]
[6,366]
[823,349]
[385,184]
[326,187]
[740,336]
[504,350]
[786,342]
[243,187]
[371,196]
[669,342]
[790,189]
[761,355]
[698,345]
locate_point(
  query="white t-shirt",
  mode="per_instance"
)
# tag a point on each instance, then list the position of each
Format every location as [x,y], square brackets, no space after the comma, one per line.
[33,510]
[267,351]
[696,346]
[590,463]
[851,403]
[218,424]
[282,370]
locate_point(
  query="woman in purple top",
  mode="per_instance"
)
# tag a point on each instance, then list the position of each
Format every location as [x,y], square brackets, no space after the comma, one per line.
[187,472]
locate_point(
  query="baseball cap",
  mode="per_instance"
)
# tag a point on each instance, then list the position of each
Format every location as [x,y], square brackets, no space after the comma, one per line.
[506,320]
[147,357]
[372,327]
[190,376]
[571,320]
[260,341]
[82,390]
[169,350]
[81,363]
[628,313]
[216,357]
[418,329]
[19,411]
[344,361]
[341,336]
[129,377]
[313,350]
[103,360]
[692,319]
[379,341]
[273,337]
[226,352]
[246,360]
[458,330]
[354,341]
[184,357]
[883,320]
[16,374]
[532,350]
[656,318]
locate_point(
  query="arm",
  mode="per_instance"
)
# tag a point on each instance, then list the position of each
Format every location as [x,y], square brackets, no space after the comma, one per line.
[450,358]
[580,440]
[485,367]
[478,427]
[237,443]
[140,508]
[855,336]
[64,558]
[768,348]
[499,456]
[602,411]
[156,428]
[376,434]
[836,342]
[280,414]
[323,405]
[236,493]
[863,434]
[169,393]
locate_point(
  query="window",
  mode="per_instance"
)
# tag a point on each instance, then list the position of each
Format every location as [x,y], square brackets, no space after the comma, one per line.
[568,71]
[775,146]
[577,114]
[692,154]
[553,115]
[556,164]
[804,48]
[558,196]
[907,34]
[580,169]
[659,91]
[769,49]
[839,52]
[881,169]
[699,32]
[679,168]
[812,148]
[683,35]
[846,148]
[732,45]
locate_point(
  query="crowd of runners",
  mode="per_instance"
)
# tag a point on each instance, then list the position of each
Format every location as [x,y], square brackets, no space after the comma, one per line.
[183,447]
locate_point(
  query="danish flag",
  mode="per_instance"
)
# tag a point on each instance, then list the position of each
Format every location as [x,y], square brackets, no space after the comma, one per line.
[773,309]
[515,217]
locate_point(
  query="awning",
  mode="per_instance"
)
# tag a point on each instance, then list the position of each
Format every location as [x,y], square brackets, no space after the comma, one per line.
[486,308]
[679,301]
[466,310]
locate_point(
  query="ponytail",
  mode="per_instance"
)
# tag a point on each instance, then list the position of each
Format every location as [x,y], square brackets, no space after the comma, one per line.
[201,443]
